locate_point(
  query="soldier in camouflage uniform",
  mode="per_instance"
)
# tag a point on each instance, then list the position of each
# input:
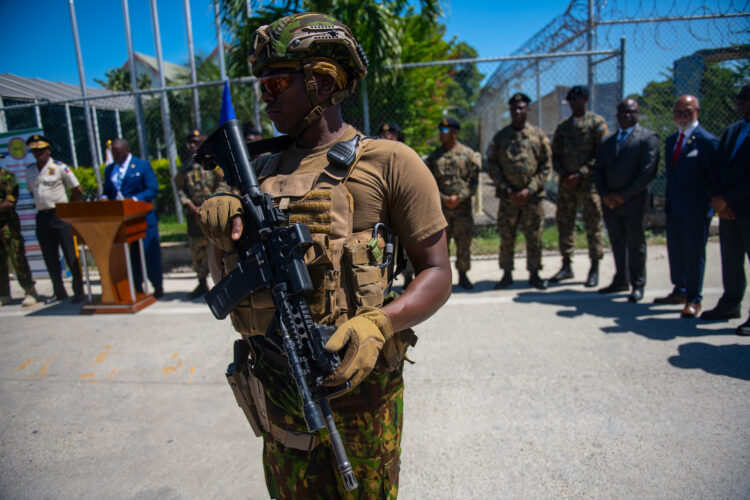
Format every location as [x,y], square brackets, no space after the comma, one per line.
[456,170]
[195,185]
[574,150]
[307,63]
[518,160]
[11,242]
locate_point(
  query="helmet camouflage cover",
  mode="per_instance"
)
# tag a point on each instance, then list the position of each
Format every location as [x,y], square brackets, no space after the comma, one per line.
[300,36]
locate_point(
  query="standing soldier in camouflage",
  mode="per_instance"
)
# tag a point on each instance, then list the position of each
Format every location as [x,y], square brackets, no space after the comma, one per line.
[518,160]
[574,150]
[11,242]
[195,185]
[456,170]
[307,63]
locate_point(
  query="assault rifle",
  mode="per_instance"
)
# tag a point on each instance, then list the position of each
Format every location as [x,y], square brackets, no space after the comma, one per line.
[271,256]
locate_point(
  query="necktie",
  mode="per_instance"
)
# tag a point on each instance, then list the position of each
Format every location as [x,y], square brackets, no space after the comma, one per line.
[620,140]
[678,148]
[118,178]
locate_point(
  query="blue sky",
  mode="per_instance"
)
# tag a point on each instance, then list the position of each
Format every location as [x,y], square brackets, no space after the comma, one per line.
[39,42]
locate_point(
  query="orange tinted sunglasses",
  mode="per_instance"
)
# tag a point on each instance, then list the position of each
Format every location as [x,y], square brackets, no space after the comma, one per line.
[275,84]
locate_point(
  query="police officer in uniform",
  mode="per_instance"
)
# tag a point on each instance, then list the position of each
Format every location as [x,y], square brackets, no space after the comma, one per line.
[195,185]
[386,182]
[47,180]
[11,242]
[456,170]
[574,150]
[518,160]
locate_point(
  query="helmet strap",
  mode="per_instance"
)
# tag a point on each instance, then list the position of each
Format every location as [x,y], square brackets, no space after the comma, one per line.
[319,108]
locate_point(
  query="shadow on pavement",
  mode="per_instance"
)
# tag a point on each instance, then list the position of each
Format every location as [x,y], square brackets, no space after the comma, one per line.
[636,318]
[730,360]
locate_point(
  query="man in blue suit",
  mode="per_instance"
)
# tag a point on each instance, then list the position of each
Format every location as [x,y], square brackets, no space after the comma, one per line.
[131,177]
[689,155]
[731,200]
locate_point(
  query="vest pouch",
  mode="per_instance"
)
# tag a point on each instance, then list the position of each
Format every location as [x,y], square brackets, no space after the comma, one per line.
[394,351]
[366,281]
[253,315]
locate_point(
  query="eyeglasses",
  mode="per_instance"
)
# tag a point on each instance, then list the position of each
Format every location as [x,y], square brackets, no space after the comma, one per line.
[275,84]
[444,130]
[686,113]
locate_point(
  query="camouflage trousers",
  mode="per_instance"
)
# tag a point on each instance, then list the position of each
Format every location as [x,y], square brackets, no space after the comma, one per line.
[369,420]
[530,220]
[461,229]
[199,255]
[568,201]
[11,249]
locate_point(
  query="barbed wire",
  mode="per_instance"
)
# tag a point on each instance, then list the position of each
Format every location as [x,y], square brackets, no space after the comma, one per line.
[722,23]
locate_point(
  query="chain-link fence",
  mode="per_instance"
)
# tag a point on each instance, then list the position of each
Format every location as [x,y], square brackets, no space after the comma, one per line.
[614,51]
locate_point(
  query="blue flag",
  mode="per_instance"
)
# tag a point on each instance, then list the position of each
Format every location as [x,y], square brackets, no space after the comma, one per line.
[227,110]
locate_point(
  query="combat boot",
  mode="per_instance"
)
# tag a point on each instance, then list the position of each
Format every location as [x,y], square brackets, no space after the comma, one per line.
[31,298]
[463,281]
[200,290]
[505,282]
[537,282]
[565,273]
[593,279]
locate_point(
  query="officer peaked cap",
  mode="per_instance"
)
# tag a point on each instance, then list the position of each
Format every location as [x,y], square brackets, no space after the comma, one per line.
[578,90]
[450,123]
[196,132]
[37,141]
[518,97]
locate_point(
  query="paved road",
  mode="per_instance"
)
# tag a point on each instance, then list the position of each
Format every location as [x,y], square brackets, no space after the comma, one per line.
[515,394]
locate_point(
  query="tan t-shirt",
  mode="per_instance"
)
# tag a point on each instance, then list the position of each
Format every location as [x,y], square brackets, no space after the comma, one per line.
[390,184]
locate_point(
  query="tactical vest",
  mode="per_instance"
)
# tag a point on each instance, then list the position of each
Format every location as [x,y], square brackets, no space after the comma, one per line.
[342,266]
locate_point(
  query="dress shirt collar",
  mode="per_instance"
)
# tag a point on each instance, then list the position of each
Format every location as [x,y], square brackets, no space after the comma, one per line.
[125,164]
[627,131]
[688,131]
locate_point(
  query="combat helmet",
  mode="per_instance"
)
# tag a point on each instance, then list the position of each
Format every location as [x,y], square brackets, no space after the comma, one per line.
[300,37]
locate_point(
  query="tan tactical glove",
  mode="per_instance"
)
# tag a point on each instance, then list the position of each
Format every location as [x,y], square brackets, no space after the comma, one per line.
[365,335]
[215,218]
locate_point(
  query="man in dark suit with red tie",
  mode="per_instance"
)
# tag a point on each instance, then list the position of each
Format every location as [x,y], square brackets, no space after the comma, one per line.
[689,155]
[625,166]
[731,200]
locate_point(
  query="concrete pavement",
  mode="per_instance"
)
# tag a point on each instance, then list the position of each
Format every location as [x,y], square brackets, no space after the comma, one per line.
[515,394]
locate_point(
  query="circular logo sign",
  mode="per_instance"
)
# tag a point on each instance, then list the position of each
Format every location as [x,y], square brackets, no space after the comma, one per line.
[17,148]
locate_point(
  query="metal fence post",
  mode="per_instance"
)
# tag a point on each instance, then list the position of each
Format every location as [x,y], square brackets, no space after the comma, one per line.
[100,155]
[621,71]
[71,137]
[539,113]
[365,108]
[140,122]
[193,71]
[165,117]
[82,77]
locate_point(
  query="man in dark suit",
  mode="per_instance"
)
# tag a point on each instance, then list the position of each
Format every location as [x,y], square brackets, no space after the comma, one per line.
[625,165]
[131,177]
[731,200]
[689,155]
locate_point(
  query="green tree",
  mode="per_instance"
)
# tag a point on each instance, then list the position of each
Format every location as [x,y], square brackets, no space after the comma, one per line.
[118,79]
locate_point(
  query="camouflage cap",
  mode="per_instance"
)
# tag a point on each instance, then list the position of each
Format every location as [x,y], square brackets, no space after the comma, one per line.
[298,37]
[578,90]
[38,141]
[519,97]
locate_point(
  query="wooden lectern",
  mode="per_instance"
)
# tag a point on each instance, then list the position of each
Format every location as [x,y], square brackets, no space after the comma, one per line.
[108,227]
